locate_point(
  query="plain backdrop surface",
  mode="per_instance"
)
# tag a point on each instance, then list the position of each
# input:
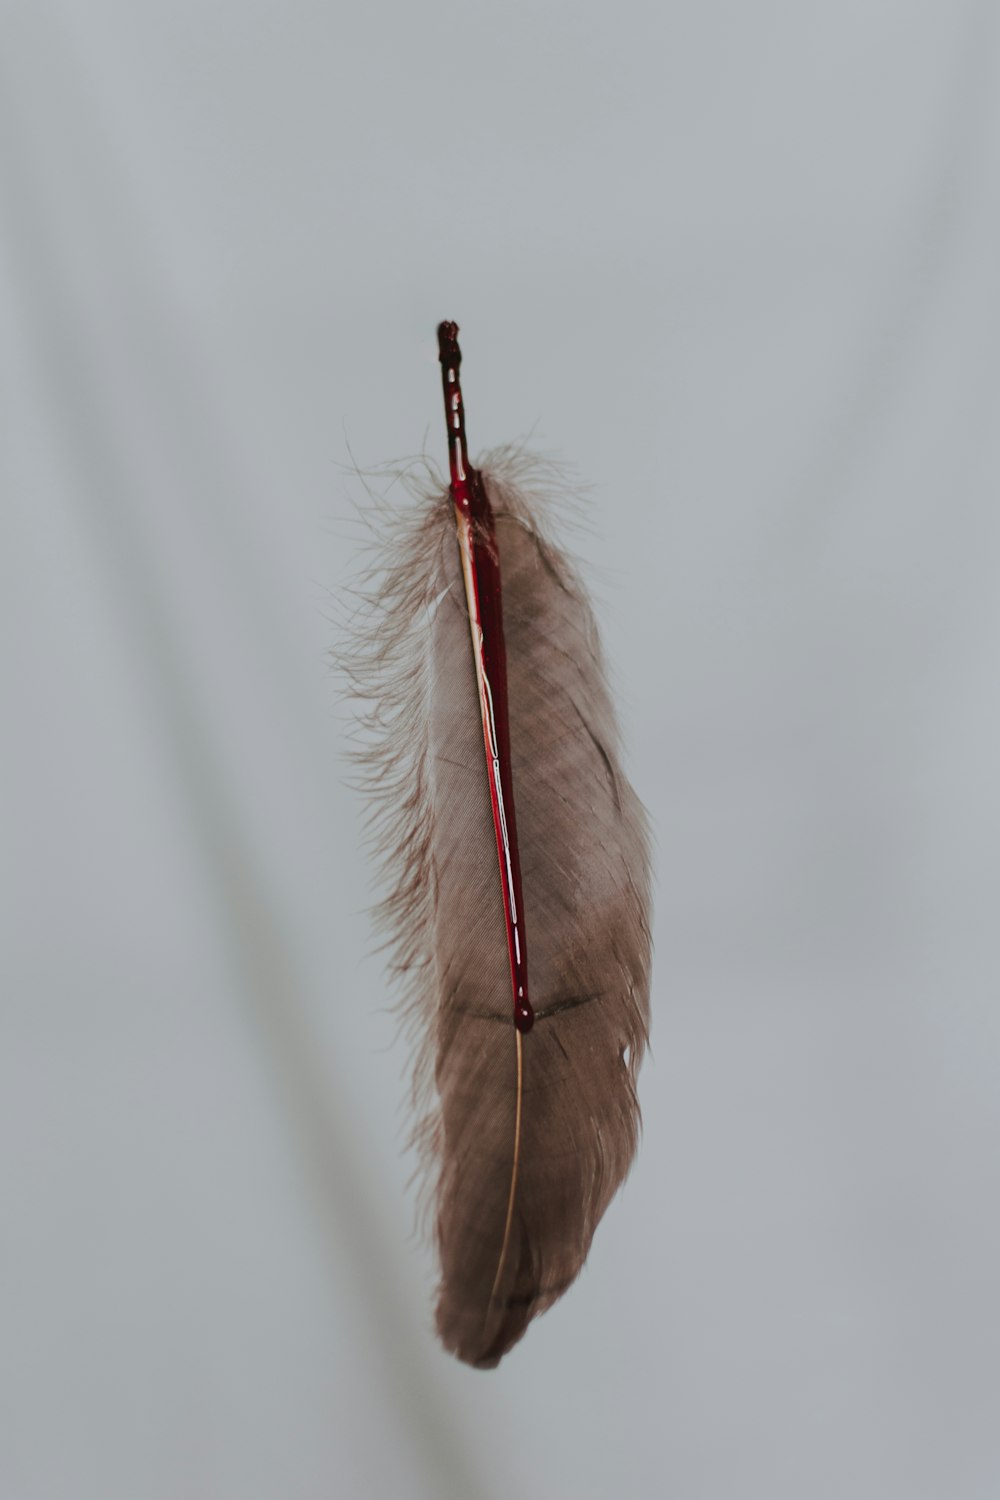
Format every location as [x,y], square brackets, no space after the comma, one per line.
[738,264]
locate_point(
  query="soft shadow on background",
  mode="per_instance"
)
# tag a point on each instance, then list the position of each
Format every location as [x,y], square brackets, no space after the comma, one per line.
[739,265]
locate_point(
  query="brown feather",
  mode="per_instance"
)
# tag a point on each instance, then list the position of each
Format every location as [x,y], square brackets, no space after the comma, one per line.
[510,1238]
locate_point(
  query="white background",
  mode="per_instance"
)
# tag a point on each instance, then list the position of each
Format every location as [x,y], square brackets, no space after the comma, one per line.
[738,263]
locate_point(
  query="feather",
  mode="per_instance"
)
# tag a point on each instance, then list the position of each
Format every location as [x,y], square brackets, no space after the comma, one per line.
[506,827]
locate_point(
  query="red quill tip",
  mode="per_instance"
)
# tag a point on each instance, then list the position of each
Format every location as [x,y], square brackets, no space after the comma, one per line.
[481,567]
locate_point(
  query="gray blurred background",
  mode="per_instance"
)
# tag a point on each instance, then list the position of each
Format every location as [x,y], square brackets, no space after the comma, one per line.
[738,263]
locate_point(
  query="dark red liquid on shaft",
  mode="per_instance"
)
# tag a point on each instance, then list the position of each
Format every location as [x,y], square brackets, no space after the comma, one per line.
[472,503]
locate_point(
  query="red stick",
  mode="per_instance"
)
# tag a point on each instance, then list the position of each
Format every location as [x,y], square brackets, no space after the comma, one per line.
[481,570]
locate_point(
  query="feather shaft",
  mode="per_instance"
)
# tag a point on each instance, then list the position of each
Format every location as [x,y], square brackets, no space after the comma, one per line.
[484,600]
